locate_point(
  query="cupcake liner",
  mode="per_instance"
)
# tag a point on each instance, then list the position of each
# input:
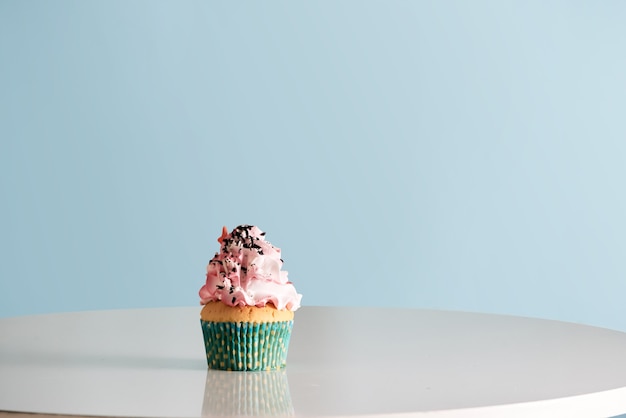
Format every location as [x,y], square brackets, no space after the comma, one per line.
[247,394]
[240,346]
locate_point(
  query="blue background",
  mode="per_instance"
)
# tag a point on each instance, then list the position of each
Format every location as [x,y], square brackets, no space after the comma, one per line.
[465,155]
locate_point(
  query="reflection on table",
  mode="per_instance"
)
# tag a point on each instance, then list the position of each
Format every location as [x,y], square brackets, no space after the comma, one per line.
[247,394]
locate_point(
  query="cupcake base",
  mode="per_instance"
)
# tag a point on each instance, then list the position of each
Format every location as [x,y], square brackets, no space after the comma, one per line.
[246,346]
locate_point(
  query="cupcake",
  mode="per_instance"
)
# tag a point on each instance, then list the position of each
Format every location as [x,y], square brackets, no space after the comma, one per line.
[249,304]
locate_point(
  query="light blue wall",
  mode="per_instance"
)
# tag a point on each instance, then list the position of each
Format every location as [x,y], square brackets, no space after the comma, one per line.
[465,155]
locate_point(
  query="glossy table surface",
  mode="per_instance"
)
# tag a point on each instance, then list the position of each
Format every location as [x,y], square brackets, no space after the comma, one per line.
[342,362]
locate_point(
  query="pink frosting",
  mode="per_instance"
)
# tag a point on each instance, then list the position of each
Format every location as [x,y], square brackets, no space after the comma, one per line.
[247,272]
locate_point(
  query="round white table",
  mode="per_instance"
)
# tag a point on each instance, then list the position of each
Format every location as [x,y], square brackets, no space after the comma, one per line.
[343,362]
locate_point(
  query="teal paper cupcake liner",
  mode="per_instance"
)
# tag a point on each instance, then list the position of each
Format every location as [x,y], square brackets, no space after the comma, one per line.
[240,346]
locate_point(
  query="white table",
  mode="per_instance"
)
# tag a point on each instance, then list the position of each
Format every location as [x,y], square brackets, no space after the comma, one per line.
[342,362]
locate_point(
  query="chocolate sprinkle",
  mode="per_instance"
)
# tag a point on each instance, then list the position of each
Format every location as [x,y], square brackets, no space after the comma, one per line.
[241,236]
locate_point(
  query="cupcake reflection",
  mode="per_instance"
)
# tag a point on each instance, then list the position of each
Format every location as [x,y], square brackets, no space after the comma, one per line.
[247,394]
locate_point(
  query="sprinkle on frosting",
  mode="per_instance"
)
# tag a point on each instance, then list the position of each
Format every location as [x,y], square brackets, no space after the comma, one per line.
[247,272]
